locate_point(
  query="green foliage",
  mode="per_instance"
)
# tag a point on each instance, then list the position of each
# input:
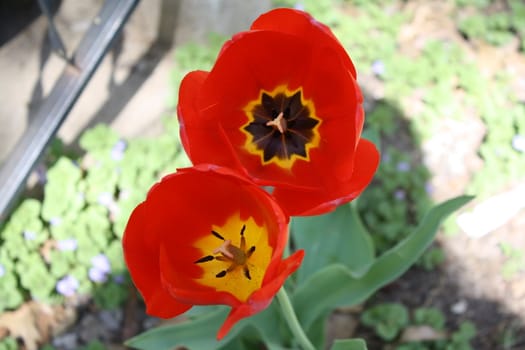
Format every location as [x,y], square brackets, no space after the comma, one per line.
[94,345]
[398,201]
[8,343]
[83,213]
[429,316]
[330,238]
[387,319]
[10,296]
[192,57]
[460,340]
[515,260]
[432,258]
[495,28]
[110,295]
[349,344]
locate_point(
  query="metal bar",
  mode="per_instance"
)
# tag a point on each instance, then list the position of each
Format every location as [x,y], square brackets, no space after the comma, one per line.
[30,147]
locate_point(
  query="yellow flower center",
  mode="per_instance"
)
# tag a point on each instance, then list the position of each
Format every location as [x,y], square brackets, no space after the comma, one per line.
[282,127]
[235,257]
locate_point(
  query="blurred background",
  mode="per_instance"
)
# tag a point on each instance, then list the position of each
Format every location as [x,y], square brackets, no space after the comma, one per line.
[444,85]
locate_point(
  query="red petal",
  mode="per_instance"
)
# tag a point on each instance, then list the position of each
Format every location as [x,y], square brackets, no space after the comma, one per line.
[303,25]
[141,253]
[297,203]
[262,298]
[185,206]
[203,139]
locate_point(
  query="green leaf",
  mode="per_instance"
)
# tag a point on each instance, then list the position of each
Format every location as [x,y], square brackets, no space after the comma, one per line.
[387,319]
[334,285]
[372,134]
[197,333]
[349,344]
[336,237]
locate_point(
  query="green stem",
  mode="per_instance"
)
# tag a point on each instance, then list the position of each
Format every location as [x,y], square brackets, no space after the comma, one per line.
[291,319]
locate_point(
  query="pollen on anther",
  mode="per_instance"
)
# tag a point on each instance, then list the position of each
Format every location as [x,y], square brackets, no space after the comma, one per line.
[221,274]
[247,273]
[218,235]
[205,259]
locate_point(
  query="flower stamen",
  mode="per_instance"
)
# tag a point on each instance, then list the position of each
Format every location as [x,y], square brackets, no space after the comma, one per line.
[279,123]
[227,252]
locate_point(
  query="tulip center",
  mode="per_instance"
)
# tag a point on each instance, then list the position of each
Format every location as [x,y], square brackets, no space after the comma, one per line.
[282,127]
[278,123]
[235,257]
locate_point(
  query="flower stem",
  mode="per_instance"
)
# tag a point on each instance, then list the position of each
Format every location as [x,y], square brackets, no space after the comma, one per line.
[291,319]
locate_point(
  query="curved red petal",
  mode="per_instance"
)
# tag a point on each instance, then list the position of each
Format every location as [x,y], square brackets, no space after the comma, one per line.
[303,25]
[317,70]
[141,253]
[262,298]
[183,209]
[305,203]
[203,139]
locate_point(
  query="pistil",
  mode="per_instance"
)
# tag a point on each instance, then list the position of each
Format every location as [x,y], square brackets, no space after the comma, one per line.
[279,123]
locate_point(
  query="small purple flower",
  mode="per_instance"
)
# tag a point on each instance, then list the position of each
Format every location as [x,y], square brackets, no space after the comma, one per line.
[67,286]
[117,152]
[69,244]
[403,167]
[400,195]
[378,67]
[118,279]
[105,199]
[29,235]
[299,6]
[429,189]
[97,275]
[101,262]
[2,270]
[518,143]
[55,221]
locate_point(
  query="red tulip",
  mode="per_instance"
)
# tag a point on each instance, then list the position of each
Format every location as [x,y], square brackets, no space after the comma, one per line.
[282,105]
[206,235]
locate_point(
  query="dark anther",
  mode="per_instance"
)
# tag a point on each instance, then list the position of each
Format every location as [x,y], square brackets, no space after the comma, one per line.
[216,234]
[221,274]
[247,273]
[251,250]
[204,259]
[282,126]
[242,230]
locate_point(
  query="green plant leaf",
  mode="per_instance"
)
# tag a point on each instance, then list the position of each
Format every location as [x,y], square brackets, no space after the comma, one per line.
[349,344]
[197,333]
[334,285]
[387,319]
[336,237]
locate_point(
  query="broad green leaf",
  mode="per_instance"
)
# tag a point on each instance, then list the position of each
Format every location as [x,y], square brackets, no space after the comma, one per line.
[335,285]
[197,333]
[349,344]
[336,237]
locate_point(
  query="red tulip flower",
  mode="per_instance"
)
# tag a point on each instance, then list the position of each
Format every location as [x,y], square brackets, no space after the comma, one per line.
[205,235]
[282,105]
